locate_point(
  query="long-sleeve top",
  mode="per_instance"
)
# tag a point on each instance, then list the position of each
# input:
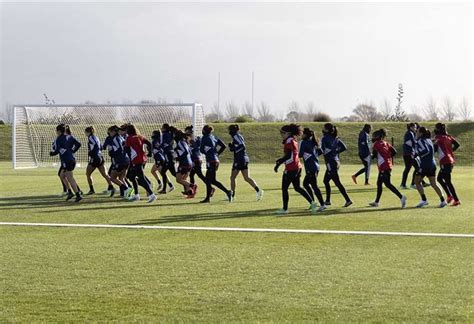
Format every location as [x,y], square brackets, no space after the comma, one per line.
[157,151]
[195,148]
[117,150]
[211,147]
[94,147]
[238,147]
[184,153]
[409,142]
[331,147]
[65,146]
[167,142]
[364,144]
[310,154]
[424,150]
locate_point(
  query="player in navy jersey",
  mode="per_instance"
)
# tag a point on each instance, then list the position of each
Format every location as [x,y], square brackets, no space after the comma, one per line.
[159,157]
[66,146]
[120,161]
[332,146]
[212,147]
[241,161]
[167,145]
[426,166]
[64,192]
[185,163]
[365,150]
[309,151]
[195,145]
[96,160]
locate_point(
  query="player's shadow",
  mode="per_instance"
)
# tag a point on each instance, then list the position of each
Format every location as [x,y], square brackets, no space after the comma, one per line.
[33,202]
[258,213]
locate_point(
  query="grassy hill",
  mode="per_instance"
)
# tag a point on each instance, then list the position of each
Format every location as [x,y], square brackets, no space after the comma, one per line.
[264,143]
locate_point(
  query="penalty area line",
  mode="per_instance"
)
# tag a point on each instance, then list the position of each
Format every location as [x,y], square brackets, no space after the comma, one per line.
[242,229]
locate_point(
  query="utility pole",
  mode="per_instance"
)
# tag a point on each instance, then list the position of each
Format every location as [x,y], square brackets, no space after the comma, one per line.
[218,94]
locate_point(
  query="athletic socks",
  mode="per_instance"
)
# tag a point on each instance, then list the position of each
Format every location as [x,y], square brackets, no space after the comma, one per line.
[423,197]
[111,187]
[91,187]
[257,189]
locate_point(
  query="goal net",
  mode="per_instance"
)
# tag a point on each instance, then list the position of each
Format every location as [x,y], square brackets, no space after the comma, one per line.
[34,126]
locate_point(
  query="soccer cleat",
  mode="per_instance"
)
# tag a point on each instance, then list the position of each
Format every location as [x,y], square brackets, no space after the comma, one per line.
[106,191]
[229,196]
[425,184]
[69,196]
[78,198]
[322,208]
[162,192]
[159,187]
[62,194]
[259,195]
[404,187]
[422,203]
[456,203]
[354,178]
[171,188]
[128,192]
[374,204]
[367,183]
[348,203]
[443,204]
[91,192]
[205,201]
[134,197]
[151,198]
[403,200]
[413,186]
[327,203]
[449,199]
[112,193]
[281,212]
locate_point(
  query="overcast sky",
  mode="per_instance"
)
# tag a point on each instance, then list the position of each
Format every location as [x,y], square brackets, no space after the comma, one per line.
[336,54]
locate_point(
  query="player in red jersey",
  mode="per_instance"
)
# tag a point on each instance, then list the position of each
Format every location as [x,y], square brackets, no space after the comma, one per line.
[445,145]
[134,145]
[292,172]
[384,152]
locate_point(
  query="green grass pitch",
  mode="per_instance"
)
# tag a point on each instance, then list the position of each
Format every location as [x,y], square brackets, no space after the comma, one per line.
[79,274]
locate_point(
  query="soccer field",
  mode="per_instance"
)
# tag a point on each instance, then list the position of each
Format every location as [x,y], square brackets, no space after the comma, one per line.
[84,274]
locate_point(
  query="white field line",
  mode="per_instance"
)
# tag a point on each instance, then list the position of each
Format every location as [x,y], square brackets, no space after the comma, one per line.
[239,229]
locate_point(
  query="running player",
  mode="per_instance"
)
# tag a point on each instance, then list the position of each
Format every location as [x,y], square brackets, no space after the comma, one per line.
[159,157]
[364,145]
[426,166]
[120,161]
[212,147]
[185,163]
[167,147]
[65,191]
[66,146]
[195,144]
[445,145]
[332,146]
[96,160]
[384,152]
[292,173]
[241,161]
[134,145]
[309,151]
[409,141]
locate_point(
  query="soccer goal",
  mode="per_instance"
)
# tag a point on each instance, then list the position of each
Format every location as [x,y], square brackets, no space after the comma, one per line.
[34,126]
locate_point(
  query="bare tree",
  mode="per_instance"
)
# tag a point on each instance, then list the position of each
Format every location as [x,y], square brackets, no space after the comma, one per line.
[248,109]
[294,106]
[264,113]
[386,110]
[431,110]
[367,112]
[448,109]
[232,111]
[464,109]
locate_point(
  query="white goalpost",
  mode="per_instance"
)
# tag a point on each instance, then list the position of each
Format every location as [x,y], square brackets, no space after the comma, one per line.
[34,126]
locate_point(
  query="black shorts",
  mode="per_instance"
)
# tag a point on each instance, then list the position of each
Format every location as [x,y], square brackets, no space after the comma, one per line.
[240,165]
[68,165]
[184,169]
[212,166]
[96,161]
[426,172]
[120,167]
[159,162]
